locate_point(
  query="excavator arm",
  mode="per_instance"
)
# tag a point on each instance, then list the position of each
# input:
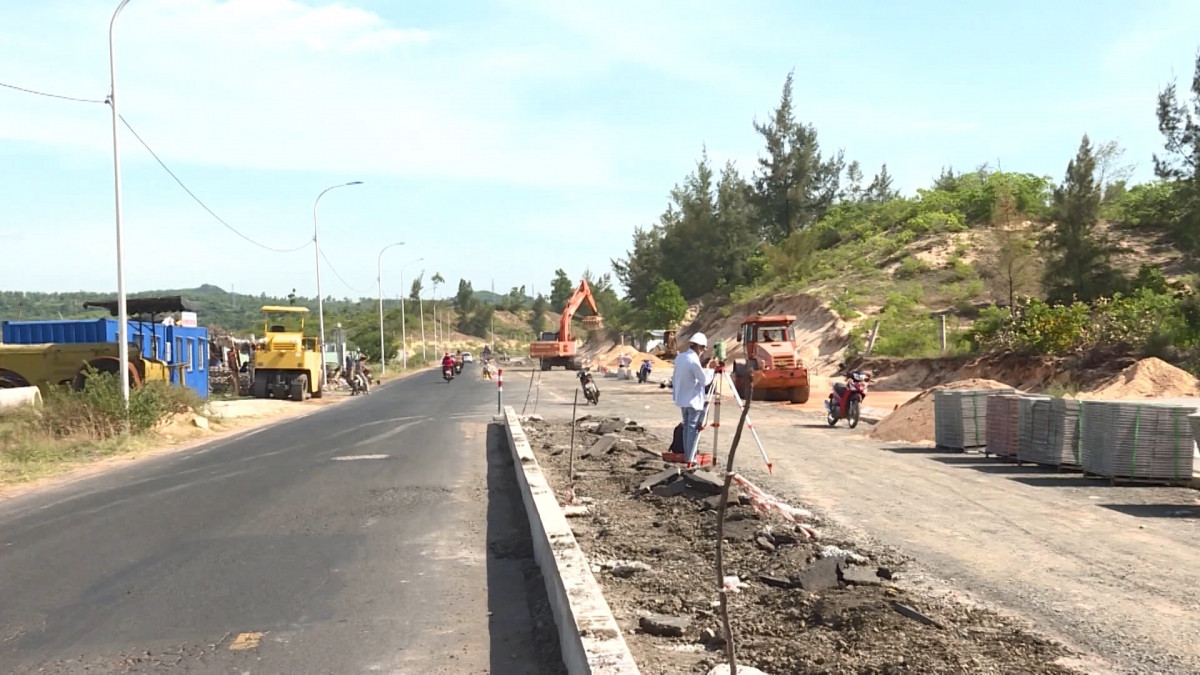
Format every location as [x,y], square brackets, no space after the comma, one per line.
[584,292]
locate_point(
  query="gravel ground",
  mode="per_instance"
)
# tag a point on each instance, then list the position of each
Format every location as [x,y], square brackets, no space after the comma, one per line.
[848,628]
[1107,571]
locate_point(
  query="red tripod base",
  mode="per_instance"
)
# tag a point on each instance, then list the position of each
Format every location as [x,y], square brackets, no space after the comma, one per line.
[677,458]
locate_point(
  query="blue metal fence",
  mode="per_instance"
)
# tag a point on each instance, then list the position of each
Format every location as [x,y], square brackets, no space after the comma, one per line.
[182,346]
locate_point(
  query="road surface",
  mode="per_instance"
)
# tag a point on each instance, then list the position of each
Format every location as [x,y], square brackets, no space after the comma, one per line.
[380,535]
[1111,571]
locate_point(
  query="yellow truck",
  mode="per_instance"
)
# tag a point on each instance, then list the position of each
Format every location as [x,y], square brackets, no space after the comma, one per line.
[286,364]
[66,364]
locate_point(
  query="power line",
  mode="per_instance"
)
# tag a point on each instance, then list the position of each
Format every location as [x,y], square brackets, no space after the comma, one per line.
[161,164]
[201,203]
[339,276]
[49,95]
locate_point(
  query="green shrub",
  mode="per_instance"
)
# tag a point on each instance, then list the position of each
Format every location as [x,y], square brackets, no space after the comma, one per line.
[961,271]
[97,410]
[911,267]
[935,221]
[906,330]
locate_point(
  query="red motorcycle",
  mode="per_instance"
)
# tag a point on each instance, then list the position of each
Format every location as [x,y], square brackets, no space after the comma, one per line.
[846,400]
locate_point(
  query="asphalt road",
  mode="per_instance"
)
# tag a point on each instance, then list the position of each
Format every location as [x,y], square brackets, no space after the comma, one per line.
[383,534]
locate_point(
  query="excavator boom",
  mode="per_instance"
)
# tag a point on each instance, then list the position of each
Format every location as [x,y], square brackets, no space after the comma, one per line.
[561,351]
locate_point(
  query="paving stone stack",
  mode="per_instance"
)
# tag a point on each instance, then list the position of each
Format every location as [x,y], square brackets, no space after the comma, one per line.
[1095,418]
[1151,442]
[1003,414]
[1033,439]
[1064,438]
[960,417]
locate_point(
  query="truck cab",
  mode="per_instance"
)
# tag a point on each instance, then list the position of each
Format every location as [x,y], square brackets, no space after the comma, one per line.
[771,362]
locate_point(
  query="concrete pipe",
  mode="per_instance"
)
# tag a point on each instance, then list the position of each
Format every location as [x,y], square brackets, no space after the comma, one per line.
[18,396]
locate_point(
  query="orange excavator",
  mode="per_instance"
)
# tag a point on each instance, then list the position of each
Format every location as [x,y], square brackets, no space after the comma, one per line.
[559,349]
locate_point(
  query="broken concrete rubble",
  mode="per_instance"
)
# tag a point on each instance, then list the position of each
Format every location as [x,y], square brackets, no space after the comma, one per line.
[661,478]
[832,551]
[822,575]
[665,626]
[859,575]
[704,481]
[609,426]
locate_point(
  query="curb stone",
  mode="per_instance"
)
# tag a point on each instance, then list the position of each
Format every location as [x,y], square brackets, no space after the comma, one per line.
[589,637]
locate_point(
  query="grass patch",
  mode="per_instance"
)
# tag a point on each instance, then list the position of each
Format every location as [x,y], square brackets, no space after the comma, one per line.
[76,427]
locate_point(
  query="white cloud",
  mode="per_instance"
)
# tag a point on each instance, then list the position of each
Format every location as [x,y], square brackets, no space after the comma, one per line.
[280,85]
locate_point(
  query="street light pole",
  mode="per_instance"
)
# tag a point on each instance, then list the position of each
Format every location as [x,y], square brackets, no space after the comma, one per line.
[404,316]
[122,310]
[421,311]
[379,278]
[317,254]
[436,342]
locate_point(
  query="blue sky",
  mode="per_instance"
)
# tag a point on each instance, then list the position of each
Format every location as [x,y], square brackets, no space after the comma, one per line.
[502,140]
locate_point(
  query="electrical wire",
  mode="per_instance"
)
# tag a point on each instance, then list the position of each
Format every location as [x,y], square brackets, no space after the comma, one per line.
[201,203]
[339,276]
[47,94]
[164,167]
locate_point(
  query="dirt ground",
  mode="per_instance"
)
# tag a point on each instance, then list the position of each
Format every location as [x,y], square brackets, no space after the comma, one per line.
[1109,571]
[849,628]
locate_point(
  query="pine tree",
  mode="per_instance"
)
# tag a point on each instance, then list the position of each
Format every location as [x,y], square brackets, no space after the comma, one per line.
[794,186]
[538,320]
[880,189]
[854,179]
[417,287]
[1078,265]
[1179,123]
[641,269]
[560,290]
[464,300]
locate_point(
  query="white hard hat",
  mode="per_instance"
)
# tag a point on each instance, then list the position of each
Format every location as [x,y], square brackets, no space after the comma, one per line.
[699,339]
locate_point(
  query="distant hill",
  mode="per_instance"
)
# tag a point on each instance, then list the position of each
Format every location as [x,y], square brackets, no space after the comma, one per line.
[490,298]
[219,308]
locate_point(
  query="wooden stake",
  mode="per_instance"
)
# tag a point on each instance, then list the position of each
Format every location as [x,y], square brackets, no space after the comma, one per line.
[871,340]
[571,461]
[730,649]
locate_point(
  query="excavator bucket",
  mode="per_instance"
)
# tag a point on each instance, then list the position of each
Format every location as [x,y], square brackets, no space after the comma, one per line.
[593,322]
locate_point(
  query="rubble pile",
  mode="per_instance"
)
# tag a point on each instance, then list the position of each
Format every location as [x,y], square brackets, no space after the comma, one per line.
[797,603]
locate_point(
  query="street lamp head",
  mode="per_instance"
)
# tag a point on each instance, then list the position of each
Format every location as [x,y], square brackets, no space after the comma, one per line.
[357,182]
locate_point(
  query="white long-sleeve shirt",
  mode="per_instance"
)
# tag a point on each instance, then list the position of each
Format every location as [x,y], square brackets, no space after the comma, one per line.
[689,380]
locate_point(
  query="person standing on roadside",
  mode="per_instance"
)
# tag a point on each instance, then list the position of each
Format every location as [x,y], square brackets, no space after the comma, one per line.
[687,385]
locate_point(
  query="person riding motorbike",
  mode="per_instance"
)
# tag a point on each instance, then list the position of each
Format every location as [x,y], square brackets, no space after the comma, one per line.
[361,375]
[447,361]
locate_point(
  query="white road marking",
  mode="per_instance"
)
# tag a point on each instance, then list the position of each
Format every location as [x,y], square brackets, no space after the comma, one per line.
[379,437]
[347,458]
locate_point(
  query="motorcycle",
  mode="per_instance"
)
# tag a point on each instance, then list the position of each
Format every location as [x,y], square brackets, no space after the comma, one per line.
[448,373]
[846,400]
[643,375]
[458,366]
[590,391]
[360,383]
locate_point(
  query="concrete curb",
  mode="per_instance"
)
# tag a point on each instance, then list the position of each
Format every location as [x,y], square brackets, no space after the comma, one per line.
[588,634]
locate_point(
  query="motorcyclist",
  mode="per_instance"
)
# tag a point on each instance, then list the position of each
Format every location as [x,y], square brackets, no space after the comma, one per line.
[447,361]
[362,374]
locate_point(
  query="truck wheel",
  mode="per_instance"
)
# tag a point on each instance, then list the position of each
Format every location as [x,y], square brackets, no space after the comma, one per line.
[259,388]
[799,394]
[105,365]
[545,365]
[298,387]
[9,379]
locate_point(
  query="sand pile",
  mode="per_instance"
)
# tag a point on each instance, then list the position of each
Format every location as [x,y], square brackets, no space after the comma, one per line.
[913,421]
[609,359]
[1147,378]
